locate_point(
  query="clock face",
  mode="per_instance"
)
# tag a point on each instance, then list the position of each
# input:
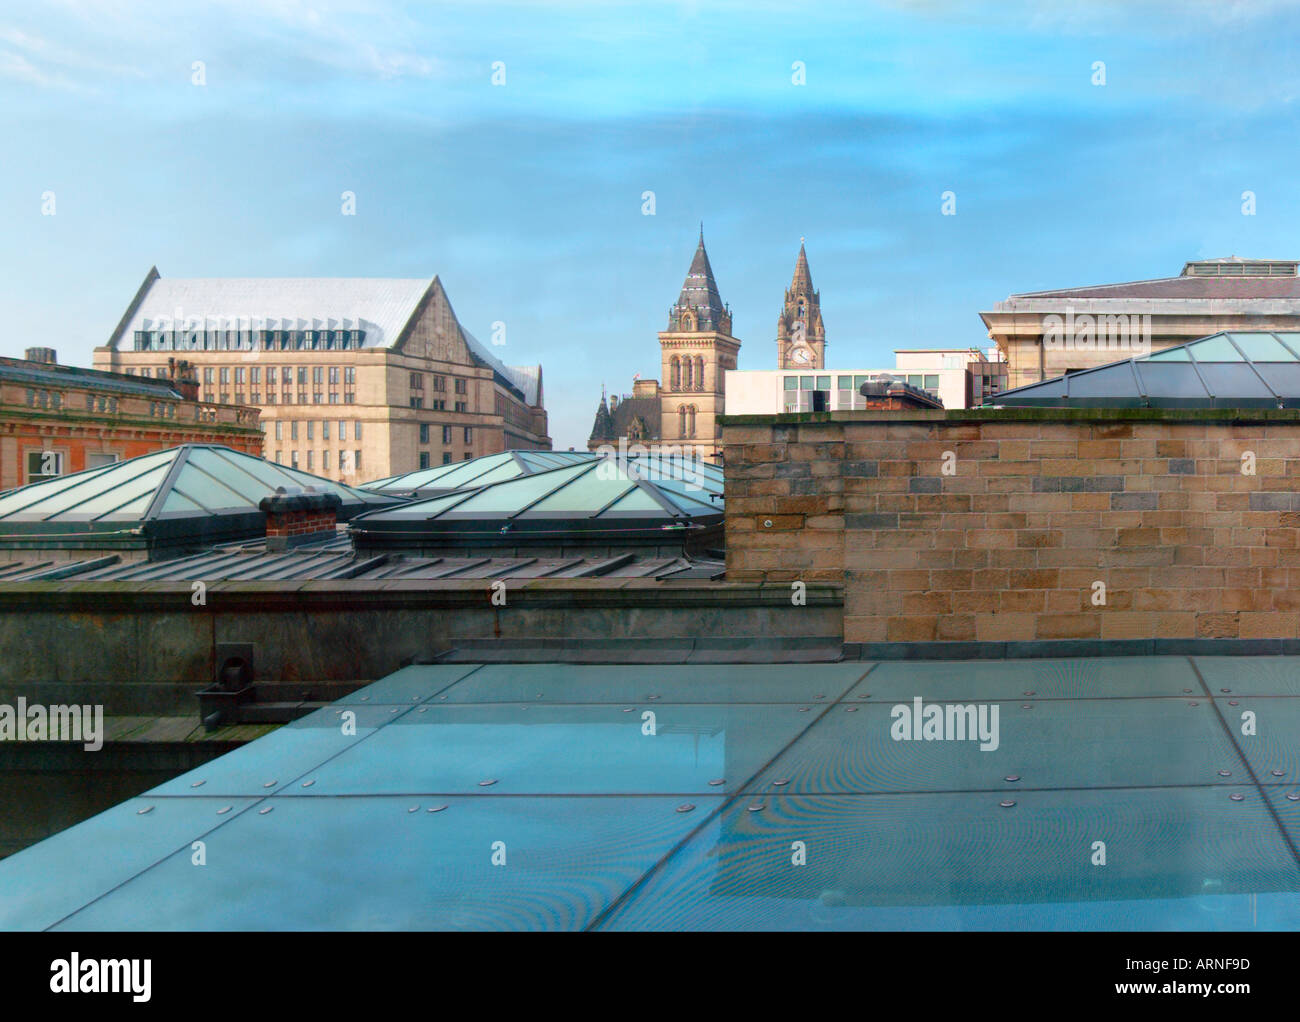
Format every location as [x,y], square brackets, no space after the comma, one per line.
[801,356]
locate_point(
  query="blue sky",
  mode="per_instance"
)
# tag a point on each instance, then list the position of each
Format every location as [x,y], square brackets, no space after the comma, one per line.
[526,198]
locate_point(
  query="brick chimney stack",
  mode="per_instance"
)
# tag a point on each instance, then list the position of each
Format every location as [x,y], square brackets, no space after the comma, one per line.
[303,517]
[184,378]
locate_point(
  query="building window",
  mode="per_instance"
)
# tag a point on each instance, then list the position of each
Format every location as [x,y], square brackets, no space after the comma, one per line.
[688,373]
[302,375]
[675,373]
[318,374]
[225,374]
[356,461]
[446,457]
[293,430]
[311,430]
[461,387]
[349,397]
[343,430]
[277,457]
[207,376]
[349,375]
[469,435]
[440,383]
[255,375]
[293,459]
[417,402]
[417,381]
[439,406]
[334,374]
[325,429]
[240,375]
[316,397]
[446,434]
[302,397]
[311,459]
[270,397]
[98,459]
[424,432]
[424,459]
[334,397]
[356,430]
[699,372]
[324,461]
[44,465]
[255,397]
[462,406]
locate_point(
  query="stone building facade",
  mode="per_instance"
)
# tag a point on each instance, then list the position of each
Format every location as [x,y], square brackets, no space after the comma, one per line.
[356,378]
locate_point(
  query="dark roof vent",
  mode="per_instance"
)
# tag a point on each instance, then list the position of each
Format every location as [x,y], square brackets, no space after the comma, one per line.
[46,355]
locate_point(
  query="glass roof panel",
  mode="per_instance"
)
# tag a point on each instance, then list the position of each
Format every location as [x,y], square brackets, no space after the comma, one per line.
[1283,377]
[178,502]
[83,483]
[1214,349]
[959,837]
[1172,379]
[1262,348]
[112,500]
[1111,381]
[584,495]
[1291,340]
[636,500]
[1178,354]
[210,466]
[517,493]
[1238,382]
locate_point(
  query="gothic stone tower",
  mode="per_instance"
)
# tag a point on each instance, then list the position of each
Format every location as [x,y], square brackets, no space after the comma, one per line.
[697,349]
[800,335]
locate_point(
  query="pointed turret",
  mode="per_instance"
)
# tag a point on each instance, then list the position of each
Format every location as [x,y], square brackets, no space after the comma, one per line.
[699,307]
[802,283]
[800,335]
[602,430]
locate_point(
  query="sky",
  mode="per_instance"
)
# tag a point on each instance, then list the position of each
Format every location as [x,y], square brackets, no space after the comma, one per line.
[217,139]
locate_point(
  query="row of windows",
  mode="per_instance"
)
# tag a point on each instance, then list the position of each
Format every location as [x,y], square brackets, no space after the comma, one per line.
[348,397]
[285,374]
[425,461]
[348,461]
[686,421]
[439,383]
[342,433]
[248,340]
[446,433]
[686,372]
[439,405]
[919,380]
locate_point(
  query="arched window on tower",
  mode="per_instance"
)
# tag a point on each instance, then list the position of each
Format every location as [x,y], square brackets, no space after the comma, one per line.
[690,421]
[676,365]
[681,421]
[699,372]
[688,373]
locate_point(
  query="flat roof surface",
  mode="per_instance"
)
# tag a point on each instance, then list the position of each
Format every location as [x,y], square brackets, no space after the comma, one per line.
[569,797]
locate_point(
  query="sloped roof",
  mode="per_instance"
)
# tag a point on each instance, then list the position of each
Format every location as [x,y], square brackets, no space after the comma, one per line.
[1223,370]
[699,293]
[381,306]
[489,468]
[631,408]
[195,490]
[49,375]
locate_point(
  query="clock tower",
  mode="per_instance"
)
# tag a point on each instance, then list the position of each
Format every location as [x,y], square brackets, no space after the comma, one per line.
[800,336]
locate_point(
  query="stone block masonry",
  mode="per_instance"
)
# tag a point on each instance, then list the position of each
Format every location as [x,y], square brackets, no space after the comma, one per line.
[1026,525]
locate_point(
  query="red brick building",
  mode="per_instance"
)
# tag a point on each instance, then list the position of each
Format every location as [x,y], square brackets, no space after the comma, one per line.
[56,420]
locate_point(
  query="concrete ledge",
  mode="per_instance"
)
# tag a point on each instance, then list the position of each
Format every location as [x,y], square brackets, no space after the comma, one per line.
[729,650]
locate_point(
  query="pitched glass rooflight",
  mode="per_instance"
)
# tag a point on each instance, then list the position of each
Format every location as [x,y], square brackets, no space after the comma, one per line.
[591,498]
[1243,369]
[490,468]
[196,489]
